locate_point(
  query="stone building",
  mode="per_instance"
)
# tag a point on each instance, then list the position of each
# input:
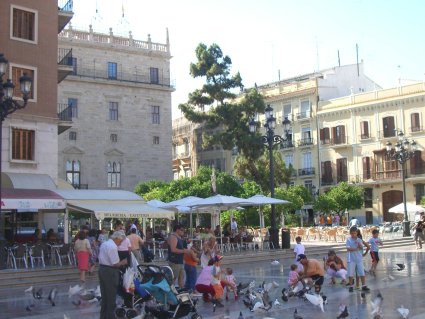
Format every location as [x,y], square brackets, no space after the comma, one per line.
[354,131]
[119,117]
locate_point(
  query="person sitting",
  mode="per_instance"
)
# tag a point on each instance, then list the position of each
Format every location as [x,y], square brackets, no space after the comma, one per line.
[313,270]
[51,236]
[335,268]
[217,231]
[158,236]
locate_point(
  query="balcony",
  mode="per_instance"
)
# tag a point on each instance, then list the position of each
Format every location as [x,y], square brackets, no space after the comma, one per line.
[417,170]
[65,67]
[387,134]
[287,145]
[305,142]
[416,129]
[326,181]
[340,141]
[80,186]
[342,178]
[387,175]
[65,13]
[326,141]
[365,137]
[308,171]
[304,116]
[65,117]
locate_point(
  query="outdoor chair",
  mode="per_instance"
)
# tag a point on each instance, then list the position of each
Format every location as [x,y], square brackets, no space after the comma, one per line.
[66,253]
[248,242]
[162,248]
[20,254]
[313,234]
[37,255]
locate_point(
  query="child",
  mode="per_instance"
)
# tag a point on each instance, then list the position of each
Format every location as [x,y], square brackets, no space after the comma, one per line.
[293,276]
[190,262]
[231,283]
[374,243]
[215,281]
[355,259]
[335,268]
[299,249]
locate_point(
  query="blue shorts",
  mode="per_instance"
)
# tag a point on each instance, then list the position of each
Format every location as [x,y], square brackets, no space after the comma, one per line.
[355,267]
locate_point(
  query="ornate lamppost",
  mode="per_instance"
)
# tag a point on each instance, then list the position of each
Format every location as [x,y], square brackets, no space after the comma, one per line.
[8,104]
[402,151]
[269,140]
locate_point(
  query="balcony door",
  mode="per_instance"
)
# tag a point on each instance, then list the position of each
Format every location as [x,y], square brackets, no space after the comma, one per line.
[341,170]
[391,199]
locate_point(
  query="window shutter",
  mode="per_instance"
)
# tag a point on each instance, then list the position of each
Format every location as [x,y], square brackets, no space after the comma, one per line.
[366,167]
[342,135]
[322,134]
[414,119]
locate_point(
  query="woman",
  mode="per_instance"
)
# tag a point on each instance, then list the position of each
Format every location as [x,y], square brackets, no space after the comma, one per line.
[83,250]
[209,250]
[335,268]
[94,248]
[419,235]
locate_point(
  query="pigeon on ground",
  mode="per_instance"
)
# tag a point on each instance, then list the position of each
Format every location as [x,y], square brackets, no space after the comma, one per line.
[241,286]
[275,262]
[404,312]
[29,290]
[276,303]
[400,267]
[284,295]
[74,290]
[316,300]
[241,315]
[87,295]
[363,295]
[267,304]
[376,304]
[388,278]
[76,302]
[37,294]
[52,296]
[257,305]
[343,312]
[296,315]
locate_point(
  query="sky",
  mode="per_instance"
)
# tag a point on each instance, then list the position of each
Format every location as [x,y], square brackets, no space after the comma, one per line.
[271,37]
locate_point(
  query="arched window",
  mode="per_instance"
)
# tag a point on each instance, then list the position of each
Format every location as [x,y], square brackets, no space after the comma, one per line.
[114,174]
[73,173]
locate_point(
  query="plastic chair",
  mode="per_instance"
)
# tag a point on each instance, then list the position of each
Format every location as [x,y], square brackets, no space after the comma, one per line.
[65,253]
[20,254]
[37,255]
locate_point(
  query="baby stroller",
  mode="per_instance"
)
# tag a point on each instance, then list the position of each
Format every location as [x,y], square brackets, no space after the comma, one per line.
[170,303]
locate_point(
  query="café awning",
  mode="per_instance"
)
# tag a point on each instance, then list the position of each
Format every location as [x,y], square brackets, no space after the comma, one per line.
[30,199]
[112,204]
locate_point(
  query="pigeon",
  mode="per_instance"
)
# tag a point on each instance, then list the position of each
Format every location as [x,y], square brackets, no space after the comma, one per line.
[247,303]
[376,304]
[37,294]
[241,315]
[363,295]
[404,312]
[29,290]
[284,295]
[316,300]
[275,262]
[400,267]
[388,278]
[52,296]
[74,290]
[87,295]
[343,312]
[267,304]
[296,315]
[276,303]
[241,287]
[257,306]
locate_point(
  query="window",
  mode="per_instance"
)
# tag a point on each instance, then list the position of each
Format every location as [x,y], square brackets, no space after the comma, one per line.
[368,197]
[155,115]
[74,65]
[73,173]
[369,217]
[73,106]
[414,121]
[72,136]
[420,192]
[17,72]
[154,76]
[289,160]
[364,130]
[338,133]
[305,109]
[325,136]
[416,163]
[114,138]
[287,110]
[367,173]
[306,159]
[113,111]
[24,24]
[341,170]
[114,175]
[306,136]
[156,140]
[186,146]
[112,70]
[23,143]
[389,126]
[326,168]
[309,185]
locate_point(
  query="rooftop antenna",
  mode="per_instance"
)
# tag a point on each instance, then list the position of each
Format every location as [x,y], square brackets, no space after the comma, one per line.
[357,55]
[97,19]
[278,74]
[123,25]
[339,60]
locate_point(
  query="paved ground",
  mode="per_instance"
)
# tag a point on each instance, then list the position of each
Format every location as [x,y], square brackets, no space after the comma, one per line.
[406,289]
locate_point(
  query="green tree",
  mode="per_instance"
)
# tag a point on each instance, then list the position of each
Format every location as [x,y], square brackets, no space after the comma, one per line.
[145,187]
[341,197]
[423,201]
[217,106]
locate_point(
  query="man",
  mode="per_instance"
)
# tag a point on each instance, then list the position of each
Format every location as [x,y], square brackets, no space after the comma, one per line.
[234,227]
[354,222]
[135,243]
[313,269]
[109,275]
[176,253]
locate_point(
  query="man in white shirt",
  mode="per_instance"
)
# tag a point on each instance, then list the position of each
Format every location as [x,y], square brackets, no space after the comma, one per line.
[234,227]
[109,275]
[354,222]
[299,249]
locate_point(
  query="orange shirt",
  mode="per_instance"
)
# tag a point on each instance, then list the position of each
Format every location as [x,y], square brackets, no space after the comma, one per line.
[322,220]
[189,259]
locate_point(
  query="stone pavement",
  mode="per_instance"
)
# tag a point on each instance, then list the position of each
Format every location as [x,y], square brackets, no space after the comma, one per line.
[407,289]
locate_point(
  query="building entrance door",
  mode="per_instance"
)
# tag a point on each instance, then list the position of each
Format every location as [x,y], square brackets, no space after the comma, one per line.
[390,199]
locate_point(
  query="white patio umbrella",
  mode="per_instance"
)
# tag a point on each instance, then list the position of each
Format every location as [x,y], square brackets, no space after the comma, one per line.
[264,200]
[411,208]
[156,203]
[180,206]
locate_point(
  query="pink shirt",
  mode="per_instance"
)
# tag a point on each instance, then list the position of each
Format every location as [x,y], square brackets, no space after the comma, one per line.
[293,277]
[125,245]
[205,276]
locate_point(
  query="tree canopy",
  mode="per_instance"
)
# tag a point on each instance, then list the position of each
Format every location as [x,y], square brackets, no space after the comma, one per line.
[339,198]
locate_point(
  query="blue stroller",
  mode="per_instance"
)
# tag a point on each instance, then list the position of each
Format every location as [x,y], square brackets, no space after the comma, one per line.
[170,303]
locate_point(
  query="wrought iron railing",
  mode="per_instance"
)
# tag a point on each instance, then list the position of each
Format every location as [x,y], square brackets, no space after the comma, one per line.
[65,56]
[64,112]
[306,171]
[305,141]
[65,5]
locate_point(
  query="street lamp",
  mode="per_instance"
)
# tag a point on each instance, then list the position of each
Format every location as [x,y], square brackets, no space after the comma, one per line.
[269,140]
[402,151]
[8,104]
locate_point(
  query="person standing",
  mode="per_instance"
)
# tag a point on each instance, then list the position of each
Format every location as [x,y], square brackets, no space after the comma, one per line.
[109,275]
[418,237]
[83,250]
[355,259]
[190,262]
[135,243]
[176,253]
[233,227]
[124,249]
[374,243]
[298,250]
[354,222]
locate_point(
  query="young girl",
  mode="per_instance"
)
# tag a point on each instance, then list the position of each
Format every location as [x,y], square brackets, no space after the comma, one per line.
[216,282]
[190,262]
[231,283]
[293,276]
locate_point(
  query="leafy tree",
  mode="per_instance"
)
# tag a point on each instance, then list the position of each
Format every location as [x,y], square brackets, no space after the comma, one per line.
[145,187]
[423,201]
[227,114]
[259,170]
[341,197]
